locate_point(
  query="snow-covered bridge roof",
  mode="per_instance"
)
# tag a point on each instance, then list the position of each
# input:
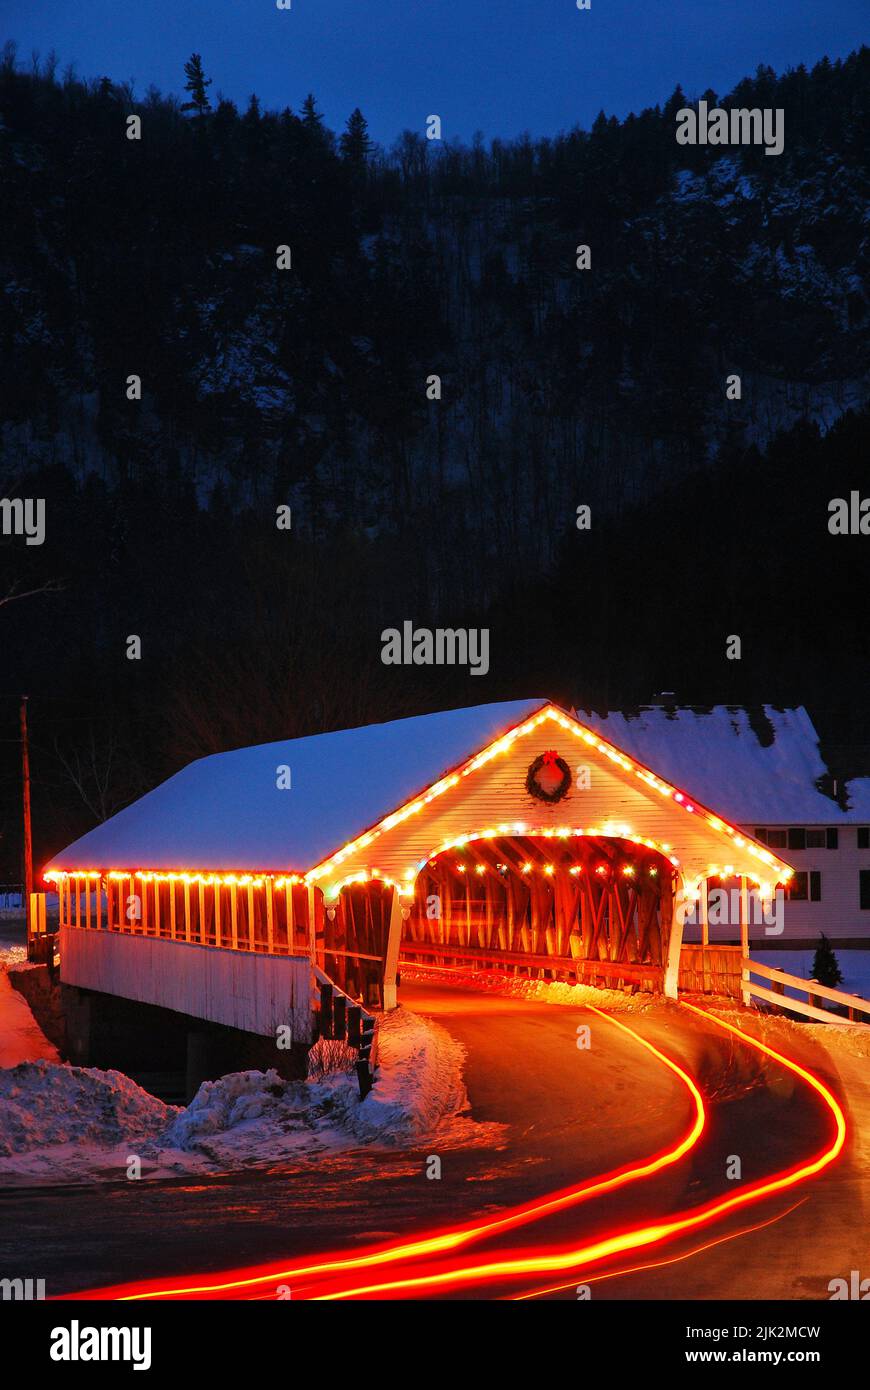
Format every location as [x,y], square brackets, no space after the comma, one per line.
[353,810]
[763,770]
[227,812]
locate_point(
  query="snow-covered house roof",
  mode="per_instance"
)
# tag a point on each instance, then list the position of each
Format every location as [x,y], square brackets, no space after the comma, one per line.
[761,771]
[226,811]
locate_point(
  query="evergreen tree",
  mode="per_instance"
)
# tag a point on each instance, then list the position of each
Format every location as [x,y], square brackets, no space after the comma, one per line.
[355,144]
[312,119]
[825,966]
[196,84]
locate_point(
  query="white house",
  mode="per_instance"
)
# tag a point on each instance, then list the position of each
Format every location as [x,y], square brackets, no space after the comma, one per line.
[765,771]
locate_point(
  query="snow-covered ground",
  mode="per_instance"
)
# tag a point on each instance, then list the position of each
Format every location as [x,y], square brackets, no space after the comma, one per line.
[854,966]
[79,1124]
[21,1038]
[538,991]
[13,940]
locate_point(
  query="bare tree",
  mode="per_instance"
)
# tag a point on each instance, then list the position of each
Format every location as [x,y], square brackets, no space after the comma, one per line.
[91,767]
[51,586]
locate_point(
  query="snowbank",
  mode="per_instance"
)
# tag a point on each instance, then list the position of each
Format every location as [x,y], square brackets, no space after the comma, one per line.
[54,1119]
[836,1039]
[79,1124]
[419,1088]
[418,1091]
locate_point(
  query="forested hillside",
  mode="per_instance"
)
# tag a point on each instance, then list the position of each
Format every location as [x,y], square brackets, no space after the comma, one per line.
[157,258]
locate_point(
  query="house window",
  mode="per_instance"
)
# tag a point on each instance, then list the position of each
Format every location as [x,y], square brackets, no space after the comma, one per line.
[797,837]
[864,836]
[797,888]
[807,886]
[864,878]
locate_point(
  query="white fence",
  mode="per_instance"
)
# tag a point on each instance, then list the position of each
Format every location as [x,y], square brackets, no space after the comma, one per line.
[811,1007]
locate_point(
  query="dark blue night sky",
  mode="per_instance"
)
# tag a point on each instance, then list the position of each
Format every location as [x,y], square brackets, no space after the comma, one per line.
[499,66]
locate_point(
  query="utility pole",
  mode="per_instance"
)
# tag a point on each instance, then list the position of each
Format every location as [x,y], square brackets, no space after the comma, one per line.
[28,840]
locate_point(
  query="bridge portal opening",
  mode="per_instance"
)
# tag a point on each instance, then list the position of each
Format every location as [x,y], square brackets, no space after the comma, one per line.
[596,910]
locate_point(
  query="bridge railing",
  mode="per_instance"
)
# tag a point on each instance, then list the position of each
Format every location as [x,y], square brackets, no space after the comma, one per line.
[246,912]
[610,973]
[343,1019]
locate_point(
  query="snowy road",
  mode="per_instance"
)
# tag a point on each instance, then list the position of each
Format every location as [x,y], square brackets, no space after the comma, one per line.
[568,1112]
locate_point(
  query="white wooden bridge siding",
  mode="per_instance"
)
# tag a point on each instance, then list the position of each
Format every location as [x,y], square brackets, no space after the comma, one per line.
[241,989]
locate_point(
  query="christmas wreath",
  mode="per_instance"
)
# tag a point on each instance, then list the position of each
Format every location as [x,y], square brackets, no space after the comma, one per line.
[549,777]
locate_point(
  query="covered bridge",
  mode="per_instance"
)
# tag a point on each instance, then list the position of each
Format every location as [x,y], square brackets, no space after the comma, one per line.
[506,836]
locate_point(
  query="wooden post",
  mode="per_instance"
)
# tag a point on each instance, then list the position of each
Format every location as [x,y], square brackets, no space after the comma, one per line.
[270,919]
[703,907]
[312,924]
[672,914]
[25,797]
[234,915]
[391,959]
[490,915]
[291,943]
[36,908]
[744,939]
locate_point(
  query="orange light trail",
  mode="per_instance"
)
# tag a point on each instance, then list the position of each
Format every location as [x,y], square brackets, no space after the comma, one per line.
[543,1261]
[636,1269]
[659,1264]
[441,1242]
[556,1261]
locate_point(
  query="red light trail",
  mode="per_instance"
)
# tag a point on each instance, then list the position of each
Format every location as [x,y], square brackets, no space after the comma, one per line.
[435,1277]
[454,1237]
[660,1264]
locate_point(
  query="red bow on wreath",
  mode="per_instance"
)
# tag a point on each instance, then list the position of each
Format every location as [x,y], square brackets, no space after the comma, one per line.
[549,777]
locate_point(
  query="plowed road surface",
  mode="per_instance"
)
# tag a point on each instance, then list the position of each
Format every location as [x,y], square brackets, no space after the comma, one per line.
[566,1114]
